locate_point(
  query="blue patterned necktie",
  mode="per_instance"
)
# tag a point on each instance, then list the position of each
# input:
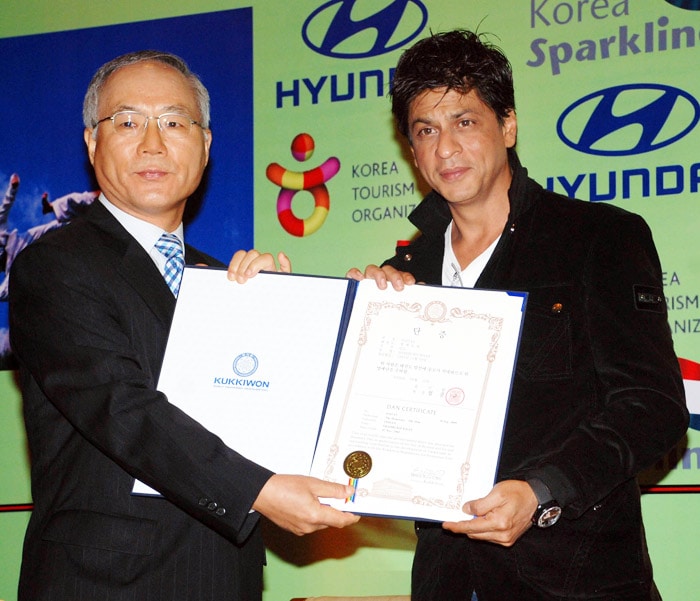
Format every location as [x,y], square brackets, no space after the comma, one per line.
[169,246]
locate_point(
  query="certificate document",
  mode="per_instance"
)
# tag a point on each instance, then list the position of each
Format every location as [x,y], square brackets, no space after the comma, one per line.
[416,413]
[402,394]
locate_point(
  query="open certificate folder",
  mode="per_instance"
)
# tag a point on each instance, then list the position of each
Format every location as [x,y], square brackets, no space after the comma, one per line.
[402,394]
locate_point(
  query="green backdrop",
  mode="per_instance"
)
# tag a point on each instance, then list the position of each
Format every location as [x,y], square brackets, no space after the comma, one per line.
[561,52]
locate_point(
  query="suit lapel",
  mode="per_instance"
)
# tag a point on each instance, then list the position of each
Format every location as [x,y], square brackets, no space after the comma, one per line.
[133,264]
[138,269]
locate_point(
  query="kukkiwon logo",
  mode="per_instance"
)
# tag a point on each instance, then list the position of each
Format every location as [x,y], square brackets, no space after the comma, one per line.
[246,364]
[358,29]
[628,119]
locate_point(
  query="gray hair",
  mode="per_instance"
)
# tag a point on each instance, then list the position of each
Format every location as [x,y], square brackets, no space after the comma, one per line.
[98,81]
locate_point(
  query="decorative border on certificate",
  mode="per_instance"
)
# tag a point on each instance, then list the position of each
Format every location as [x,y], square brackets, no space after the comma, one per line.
[392,347]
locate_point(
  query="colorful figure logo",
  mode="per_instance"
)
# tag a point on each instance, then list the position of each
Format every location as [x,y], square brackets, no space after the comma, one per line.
[312,181]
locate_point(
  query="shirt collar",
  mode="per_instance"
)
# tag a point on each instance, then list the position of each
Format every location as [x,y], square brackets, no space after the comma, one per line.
[145,233]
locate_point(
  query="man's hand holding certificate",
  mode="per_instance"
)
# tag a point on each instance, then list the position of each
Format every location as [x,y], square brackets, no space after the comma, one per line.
[415,383]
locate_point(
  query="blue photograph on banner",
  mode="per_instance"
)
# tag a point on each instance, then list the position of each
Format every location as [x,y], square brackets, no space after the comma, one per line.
[45,176]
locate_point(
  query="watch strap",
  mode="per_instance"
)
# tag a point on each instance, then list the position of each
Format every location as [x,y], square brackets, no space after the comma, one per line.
[541,490]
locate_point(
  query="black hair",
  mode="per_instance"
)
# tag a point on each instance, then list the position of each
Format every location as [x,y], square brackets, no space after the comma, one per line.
[459,60]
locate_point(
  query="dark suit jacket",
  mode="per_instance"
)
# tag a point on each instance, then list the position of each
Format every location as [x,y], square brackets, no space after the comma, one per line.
[89,320]
[597,396]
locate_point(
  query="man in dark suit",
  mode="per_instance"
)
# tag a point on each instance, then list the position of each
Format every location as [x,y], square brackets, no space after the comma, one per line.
[90,312]
[597,395]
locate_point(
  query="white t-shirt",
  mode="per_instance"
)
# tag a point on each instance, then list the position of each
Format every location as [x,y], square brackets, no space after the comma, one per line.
[467,277]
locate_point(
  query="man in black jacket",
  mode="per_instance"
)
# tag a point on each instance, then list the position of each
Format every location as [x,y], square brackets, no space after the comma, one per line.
[597,395]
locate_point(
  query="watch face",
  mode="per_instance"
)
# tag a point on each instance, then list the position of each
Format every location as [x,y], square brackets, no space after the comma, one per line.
[548,516]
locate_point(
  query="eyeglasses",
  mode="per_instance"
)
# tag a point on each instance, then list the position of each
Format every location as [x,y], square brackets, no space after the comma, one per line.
[132,124]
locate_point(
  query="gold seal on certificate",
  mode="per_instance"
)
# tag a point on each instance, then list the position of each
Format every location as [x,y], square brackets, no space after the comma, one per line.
[357,464]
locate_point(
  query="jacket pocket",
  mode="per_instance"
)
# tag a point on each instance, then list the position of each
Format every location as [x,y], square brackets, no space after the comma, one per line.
[545,344]
[106,532]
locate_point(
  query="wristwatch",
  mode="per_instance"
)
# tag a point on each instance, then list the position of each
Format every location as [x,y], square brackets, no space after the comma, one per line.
[548,510]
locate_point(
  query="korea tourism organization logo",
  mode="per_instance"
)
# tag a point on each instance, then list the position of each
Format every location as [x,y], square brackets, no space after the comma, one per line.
[628,119]
[312,181]
[352,29]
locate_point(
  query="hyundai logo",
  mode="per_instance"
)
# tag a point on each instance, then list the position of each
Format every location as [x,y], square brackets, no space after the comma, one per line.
[628,119]
[686,4]
[347,28]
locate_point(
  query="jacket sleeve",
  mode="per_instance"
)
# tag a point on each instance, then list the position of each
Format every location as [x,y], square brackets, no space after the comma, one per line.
[638,407]
[93,347]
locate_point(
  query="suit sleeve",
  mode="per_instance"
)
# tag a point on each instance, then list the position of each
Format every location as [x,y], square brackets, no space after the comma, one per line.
[94,348]
[639,411]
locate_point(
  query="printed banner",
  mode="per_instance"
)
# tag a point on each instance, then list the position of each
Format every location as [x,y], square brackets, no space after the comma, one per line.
[305,159]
